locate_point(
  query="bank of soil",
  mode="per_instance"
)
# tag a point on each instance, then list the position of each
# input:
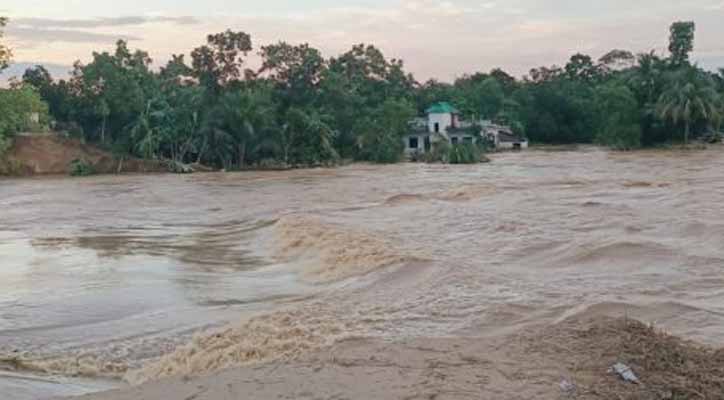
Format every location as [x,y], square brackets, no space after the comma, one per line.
[567,360]
[52,154]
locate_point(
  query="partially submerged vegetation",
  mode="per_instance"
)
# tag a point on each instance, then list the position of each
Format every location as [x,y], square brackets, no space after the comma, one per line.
[462,153]
[81,167]
[301,109]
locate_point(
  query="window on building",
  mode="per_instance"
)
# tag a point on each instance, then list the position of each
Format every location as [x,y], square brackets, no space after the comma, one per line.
[468,140]
[414,142]
[437,127]
[455,140]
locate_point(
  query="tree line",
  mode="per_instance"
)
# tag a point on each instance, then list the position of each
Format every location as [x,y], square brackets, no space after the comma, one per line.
[300,108]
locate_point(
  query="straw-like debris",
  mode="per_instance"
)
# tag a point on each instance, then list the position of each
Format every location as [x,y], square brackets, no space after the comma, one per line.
[668,367]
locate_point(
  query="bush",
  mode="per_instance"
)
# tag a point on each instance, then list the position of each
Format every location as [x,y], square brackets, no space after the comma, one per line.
[466,153]
[444,152]
[81,167]
[271,164]
[711,137]
[5,143]
[439,152]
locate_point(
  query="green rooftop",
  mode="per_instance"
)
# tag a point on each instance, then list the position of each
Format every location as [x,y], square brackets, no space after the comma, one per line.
[442,107]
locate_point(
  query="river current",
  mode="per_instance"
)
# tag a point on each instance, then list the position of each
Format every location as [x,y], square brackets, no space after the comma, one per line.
[112,280]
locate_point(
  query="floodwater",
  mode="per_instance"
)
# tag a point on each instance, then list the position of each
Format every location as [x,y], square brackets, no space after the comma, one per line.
[101,276]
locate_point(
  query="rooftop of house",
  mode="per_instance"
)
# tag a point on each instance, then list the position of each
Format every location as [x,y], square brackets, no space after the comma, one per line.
[442,107]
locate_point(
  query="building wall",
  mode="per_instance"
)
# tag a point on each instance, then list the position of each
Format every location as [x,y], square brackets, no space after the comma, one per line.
[445,121]
[420,144]
[461,138]
[511,145]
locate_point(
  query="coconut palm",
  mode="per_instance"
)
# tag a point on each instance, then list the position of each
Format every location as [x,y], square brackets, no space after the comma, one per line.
[690,98]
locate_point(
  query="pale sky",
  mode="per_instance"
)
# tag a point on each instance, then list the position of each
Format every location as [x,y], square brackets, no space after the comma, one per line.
[441,39]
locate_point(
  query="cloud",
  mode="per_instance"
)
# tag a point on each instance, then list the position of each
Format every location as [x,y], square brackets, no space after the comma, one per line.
[39,33]
[435,38]
[38,37]
[49,23]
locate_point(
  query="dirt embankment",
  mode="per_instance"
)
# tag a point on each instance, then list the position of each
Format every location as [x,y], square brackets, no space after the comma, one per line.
[52,154]
[565,361]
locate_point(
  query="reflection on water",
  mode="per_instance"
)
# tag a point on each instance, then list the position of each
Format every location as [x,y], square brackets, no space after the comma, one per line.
[102,274]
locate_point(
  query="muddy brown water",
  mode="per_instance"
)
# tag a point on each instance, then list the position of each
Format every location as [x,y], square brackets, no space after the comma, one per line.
[101,276]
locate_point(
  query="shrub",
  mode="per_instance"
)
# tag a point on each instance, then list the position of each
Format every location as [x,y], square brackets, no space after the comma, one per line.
[444,152]
[711,137]
[466,153]
[5,143]
[80,167]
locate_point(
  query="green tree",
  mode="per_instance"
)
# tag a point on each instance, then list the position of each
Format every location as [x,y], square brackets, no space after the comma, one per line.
[479,96]
[507,81]
[184,121]
[219,61]
[21,109]
[617,60]
[381,134]
[57,95]
[310,137]
[111,92]
[619,126]
[431,92]
[5,52]
[295,70]
[175,69]
[681,42]
[145,134]
[581,67]
[353,87]
[690,98]
[238,124]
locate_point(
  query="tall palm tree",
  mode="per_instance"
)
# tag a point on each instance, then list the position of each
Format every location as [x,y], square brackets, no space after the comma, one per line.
[692,97]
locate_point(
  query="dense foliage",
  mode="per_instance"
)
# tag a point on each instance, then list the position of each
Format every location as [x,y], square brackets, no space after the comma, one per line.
[4,51]
[21,109]
[300,108]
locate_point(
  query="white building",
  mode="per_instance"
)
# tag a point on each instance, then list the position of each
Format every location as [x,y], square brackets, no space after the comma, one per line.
[503,137]
[443,123]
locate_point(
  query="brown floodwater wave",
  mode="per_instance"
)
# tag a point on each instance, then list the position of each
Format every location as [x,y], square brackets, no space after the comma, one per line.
[144,277]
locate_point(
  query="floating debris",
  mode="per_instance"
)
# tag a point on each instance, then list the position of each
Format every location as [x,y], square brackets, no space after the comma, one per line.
[567,387]
[625,372]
